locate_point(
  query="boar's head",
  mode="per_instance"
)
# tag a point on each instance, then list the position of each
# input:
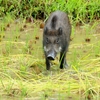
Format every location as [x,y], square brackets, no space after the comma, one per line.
[52,42]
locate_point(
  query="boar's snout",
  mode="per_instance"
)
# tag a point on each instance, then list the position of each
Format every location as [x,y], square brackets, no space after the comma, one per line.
[51,55]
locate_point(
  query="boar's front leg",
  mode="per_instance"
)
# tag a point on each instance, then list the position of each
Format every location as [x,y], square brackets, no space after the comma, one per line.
[47,64]
[63,60]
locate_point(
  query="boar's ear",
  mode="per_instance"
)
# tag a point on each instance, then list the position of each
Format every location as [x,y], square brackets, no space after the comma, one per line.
[60,31]
[45,30]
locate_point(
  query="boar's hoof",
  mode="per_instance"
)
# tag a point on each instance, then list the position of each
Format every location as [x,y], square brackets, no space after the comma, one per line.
[66,66]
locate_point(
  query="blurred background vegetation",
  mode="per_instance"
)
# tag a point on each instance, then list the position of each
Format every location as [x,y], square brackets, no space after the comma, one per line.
[78,10]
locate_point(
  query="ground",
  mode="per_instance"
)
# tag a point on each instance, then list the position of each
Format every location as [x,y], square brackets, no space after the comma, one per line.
[23,74]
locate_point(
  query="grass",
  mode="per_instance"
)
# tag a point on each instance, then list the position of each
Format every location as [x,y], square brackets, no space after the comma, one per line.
[81,11]
[22,66]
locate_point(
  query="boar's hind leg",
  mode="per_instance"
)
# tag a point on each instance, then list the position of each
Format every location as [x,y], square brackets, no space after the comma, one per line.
[63,60]
[65,64]
[47,64]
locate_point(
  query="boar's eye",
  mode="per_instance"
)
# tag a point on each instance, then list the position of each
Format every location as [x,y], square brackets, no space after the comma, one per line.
[57,40]
[47,40]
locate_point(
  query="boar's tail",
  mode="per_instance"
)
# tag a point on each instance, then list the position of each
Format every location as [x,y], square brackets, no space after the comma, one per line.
[53,21]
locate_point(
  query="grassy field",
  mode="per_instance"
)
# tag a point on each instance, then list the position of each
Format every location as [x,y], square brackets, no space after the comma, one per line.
[23,74]
[22,66]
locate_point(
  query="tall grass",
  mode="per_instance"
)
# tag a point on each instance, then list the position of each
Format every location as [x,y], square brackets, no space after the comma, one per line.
[78,10]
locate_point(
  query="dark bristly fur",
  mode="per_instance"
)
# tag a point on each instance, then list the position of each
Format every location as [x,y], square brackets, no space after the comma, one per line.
[53,21]
[56,37]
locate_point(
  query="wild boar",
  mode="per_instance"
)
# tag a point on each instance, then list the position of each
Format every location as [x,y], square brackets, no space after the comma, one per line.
[56,38]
